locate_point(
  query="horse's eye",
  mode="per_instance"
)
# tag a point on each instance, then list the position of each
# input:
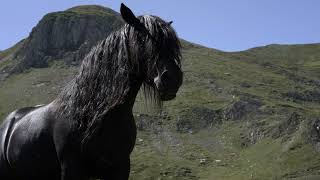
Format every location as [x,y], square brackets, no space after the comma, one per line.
[142,39]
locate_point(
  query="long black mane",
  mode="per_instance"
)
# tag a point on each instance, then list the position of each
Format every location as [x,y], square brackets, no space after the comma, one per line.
[111,67]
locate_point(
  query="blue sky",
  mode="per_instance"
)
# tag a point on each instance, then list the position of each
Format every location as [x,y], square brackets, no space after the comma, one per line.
[229,25]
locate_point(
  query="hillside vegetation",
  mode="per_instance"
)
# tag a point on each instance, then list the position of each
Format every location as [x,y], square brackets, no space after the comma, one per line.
[241,115]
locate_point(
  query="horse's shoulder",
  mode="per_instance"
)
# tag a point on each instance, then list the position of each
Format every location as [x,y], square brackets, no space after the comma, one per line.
[19,113]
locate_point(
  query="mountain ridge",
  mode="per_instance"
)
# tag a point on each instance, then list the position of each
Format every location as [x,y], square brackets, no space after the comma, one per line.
[239,115]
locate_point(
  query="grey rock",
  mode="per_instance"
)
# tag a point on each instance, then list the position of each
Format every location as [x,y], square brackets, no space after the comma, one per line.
[287,126]
[239,109]
[68,35]
[308,95]
[198,118]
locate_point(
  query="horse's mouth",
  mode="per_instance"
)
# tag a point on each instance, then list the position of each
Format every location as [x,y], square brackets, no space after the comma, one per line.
[167,96]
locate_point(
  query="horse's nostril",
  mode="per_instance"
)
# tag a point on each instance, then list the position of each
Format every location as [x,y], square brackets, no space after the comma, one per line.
[159,83]
[165,75]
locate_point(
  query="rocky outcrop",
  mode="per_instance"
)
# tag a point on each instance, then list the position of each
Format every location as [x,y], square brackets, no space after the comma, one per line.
[151,122]
[287,126]
[241,108]
[308,96]
[198,118]
[66,35]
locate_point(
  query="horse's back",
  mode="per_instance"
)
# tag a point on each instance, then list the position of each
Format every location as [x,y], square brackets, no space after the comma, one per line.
[21,134]
[4,128]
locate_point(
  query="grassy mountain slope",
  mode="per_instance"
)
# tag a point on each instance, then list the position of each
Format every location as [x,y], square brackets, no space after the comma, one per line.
[241,115]
[263,132]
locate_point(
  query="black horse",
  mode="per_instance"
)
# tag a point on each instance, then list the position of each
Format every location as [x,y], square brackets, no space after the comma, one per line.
[88,131]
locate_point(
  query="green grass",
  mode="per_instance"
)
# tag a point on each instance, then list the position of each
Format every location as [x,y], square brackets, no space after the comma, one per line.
[35,86]
[8,51]
[85,11]
[93,10]
[6,55]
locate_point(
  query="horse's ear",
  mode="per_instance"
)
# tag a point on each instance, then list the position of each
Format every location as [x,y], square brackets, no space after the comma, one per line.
[131,19]
[128,15]
[169,23]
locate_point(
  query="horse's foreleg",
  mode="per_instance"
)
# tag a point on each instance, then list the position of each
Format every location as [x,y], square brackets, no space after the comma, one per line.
[120,171]
[72,167]
[72,170]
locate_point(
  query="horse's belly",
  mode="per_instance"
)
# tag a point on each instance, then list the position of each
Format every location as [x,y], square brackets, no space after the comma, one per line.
[31,151]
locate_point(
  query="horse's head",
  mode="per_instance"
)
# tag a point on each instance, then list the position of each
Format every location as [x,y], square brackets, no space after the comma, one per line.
[159,52]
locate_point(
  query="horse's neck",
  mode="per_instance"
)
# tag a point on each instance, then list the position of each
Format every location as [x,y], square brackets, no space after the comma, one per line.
[132,93]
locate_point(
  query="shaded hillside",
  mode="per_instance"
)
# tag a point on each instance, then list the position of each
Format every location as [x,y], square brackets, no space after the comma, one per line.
[244,115]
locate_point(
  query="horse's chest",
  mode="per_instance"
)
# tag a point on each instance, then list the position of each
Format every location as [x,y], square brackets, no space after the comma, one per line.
[116,141]
[119,138]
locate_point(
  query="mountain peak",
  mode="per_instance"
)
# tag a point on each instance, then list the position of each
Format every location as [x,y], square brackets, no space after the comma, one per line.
[92,9]
[66,35]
